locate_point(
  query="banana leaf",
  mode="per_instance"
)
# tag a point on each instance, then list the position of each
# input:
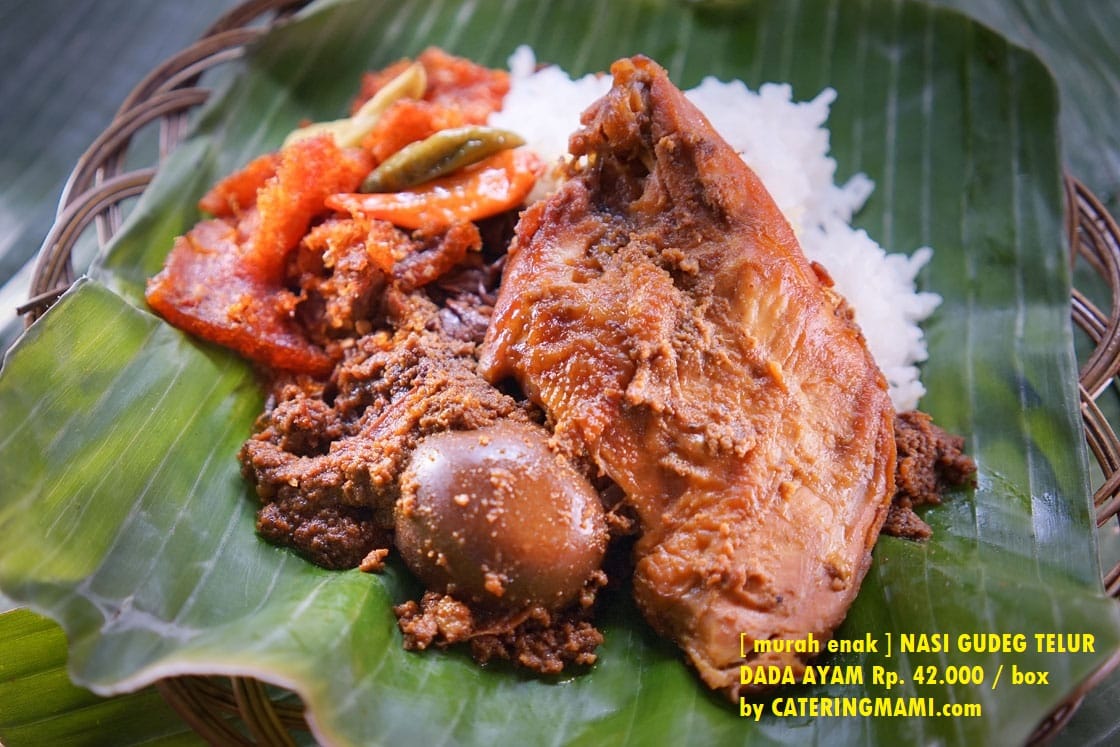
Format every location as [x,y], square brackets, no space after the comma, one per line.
[1075,42]
[39,705]
[125,519]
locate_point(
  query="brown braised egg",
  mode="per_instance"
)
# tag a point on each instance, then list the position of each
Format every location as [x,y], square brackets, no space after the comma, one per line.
[493,517]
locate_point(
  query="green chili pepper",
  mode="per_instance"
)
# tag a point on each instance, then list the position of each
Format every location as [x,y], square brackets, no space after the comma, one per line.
[442,153]
[349,132]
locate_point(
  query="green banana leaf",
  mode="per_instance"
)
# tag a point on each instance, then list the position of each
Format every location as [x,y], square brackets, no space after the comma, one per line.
[125,519]
[39,705]
[1076,42]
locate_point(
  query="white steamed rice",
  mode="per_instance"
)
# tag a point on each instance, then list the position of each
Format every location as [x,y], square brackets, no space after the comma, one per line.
[786,143]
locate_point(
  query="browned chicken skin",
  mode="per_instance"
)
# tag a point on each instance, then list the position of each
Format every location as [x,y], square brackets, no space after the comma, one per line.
[660,310]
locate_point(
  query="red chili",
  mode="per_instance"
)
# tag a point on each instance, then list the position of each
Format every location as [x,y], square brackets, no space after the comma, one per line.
[493,185]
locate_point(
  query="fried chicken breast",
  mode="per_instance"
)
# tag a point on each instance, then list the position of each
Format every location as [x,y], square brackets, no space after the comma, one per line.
[660,311]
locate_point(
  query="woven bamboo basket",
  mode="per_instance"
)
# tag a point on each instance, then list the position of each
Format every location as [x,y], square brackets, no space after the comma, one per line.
[244,711]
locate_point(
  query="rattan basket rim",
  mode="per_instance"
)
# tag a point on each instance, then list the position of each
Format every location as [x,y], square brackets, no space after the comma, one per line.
[243,710]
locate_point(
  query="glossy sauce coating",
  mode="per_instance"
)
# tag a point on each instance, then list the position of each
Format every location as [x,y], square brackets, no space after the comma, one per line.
[660,311]
[493,517]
